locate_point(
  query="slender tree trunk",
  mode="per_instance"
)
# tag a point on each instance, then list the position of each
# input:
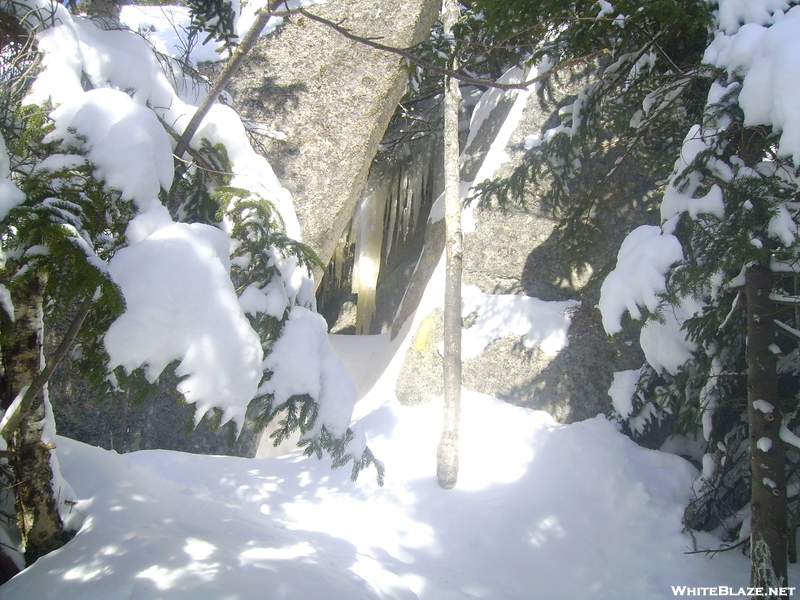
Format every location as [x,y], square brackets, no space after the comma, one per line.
[231,67]
[447,454]
[768,537]
[36,506]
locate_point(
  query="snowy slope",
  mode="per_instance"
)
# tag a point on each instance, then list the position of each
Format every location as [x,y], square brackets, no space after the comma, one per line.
[541,511]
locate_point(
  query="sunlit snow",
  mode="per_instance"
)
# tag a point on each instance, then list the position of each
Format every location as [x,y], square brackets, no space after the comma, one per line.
[181,306]
[639,276]
[541,510]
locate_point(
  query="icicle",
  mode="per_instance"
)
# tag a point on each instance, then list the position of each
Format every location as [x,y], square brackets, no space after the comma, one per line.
[411,188]
[391,222]
[417,181]
[338,259]
[405,194]
[400,189]
[369,242]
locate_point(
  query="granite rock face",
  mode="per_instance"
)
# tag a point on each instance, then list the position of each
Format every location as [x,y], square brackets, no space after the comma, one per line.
[517,252]
[332,99]
[124,421]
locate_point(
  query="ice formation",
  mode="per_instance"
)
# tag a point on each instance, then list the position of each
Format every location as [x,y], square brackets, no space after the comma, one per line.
[393,206]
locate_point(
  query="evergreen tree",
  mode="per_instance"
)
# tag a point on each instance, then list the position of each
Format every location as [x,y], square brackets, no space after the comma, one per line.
[68,211]
[730,201]
[55,241]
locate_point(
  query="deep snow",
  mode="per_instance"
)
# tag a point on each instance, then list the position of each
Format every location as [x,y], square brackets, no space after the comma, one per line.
[541,510]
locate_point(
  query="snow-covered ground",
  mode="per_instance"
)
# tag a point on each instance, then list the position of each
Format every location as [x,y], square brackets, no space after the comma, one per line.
[541,510]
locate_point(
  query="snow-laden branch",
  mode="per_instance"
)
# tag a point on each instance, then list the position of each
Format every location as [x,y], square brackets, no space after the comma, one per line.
[787,329]
[784,299]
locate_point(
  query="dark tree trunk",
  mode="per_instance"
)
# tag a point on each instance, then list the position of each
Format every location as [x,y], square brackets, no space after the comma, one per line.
[768,537]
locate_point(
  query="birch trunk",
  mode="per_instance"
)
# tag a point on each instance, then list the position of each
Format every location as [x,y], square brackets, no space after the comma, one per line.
[40,525]
[447,453]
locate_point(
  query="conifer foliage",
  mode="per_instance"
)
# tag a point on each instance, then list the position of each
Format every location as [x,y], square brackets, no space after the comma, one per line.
[215,18]
[96,220]
[644,81]
[703,83]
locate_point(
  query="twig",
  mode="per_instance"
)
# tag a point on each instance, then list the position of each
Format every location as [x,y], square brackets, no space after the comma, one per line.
[201,162]
[709,551]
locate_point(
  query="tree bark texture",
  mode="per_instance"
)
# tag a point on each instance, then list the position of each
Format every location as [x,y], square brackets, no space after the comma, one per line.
[40,525]
[447,453]
[769,533]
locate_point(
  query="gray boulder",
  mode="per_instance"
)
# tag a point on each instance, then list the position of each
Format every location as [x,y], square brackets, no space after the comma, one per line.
[332,99]
[517,252]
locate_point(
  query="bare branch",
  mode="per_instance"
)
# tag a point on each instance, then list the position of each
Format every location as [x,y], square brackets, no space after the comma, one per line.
[410,56]
[718,550]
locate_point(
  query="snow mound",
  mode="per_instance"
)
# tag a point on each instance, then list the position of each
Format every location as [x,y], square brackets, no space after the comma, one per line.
[181,306]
